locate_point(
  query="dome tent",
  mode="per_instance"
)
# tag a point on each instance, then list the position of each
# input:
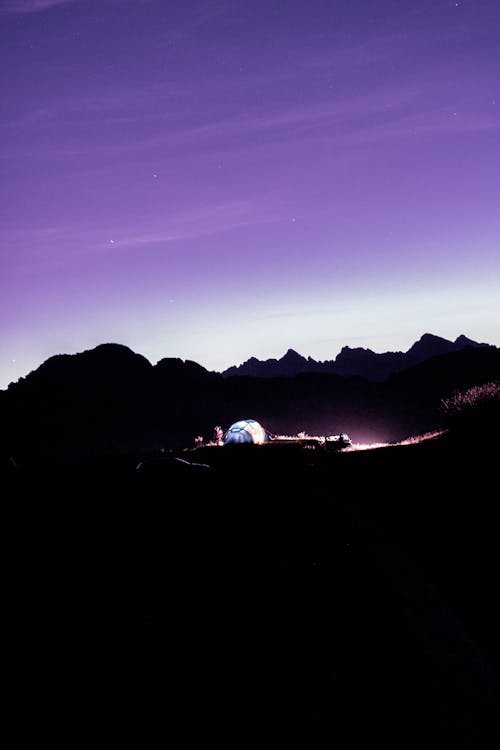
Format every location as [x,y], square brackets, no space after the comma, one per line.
[245,431]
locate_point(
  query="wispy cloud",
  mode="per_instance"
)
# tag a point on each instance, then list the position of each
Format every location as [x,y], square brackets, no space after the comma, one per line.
[33,6]
[69,243]
[351,121]
[200,15]
[198,222]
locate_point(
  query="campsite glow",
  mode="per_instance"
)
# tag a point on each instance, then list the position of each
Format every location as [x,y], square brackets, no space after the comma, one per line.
[365,446]
[407,441]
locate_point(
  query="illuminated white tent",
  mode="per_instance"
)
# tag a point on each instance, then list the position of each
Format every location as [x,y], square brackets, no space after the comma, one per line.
[245,431]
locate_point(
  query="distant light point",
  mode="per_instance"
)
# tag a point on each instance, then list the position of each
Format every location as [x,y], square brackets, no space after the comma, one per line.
[111,242]
[155,176]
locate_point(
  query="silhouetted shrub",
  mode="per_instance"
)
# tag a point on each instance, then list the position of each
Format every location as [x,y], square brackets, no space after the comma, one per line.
[476,409]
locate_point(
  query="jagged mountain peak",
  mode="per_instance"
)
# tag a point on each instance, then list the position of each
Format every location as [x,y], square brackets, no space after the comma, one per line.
[348,351]
[354,360]
[291,354]
[462,341]
[429,338]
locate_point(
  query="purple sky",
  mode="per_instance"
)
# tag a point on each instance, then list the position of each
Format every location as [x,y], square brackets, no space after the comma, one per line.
[215,179]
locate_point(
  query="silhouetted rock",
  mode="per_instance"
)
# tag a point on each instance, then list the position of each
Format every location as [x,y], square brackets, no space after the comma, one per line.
[428,346]
[288,366]
[462,341]
[367,364]
[351,362]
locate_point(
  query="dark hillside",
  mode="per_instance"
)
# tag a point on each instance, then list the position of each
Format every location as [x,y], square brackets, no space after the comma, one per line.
[111,400]
[293,587]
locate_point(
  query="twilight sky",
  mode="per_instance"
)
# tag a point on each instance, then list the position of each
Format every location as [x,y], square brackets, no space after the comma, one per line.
[214,179]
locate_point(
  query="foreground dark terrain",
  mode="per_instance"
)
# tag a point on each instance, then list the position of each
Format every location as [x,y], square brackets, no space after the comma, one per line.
[352,597]
[111,400]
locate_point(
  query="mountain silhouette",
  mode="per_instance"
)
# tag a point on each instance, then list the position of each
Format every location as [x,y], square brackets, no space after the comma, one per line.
[111,400]
[351,362]
[289,365]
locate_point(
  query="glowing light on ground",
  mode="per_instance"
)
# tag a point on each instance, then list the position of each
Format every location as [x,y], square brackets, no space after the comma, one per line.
[407,441]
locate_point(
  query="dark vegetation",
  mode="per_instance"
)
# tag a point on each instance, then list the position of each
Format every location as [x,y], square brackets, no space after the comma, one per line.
[474,414]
